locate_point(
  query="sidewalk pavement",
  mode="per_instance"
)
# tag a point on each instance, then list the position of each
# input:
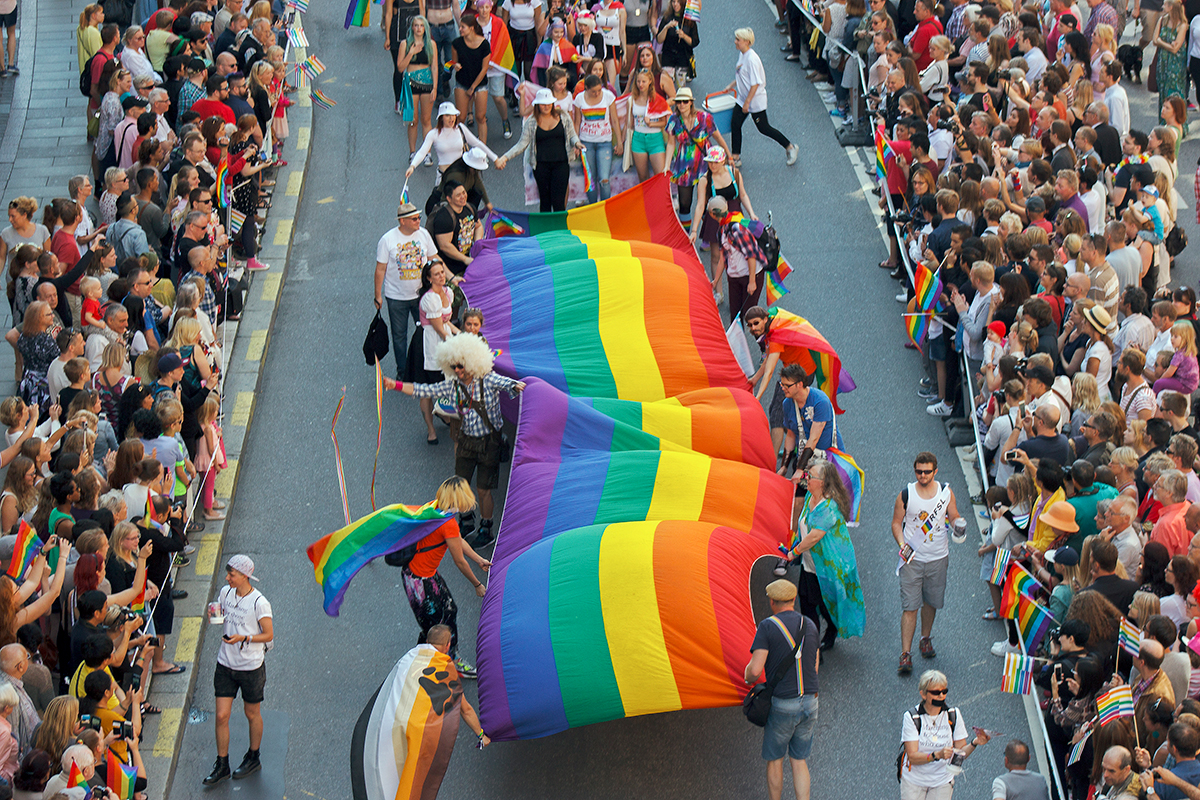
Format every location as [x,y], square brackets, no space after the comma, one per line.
[44,144]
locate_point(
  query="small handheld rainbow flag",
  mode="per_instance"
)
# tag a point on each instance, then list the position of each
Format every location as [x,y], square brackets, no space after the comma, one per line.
[852,478]
[121,779]
[138,605]
[299,5]
[1077,750]
[587,170]
[1114,704]
[1018,582]
[296,38]
[503,226]
[24,552]
[75,776]
[222,183]
[1129,637]
[927,285]
[1000,568]
[774,282]
[885,156]
[310,67]
[404,193]
[692,11]
[359,14]
[148,517]
[319,99]
[917,328]
[1018,674]
[236,220]
[1033,620]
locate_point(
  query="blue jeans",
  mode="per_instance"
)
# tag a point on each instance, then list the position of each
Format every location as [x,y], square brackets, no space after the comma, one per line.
[789,729]
[599,155]
[443,35]
[399,312]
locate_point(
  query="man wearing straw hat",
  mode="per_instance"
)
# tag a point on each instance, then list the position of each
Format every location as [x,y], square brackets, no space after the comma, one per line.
[793,717]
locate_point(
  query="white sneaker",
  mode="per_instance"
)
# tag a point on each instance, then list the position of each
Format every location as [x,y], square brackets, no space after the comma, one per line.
[428,160]
[718,297]
[1002,647]
[793,152]
[781,568]
[902,297]
[939,409]
[822,86]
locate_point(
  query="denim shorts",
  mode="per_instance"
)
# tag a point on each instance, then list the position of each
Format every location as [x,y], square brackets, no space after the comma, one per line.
[790,727]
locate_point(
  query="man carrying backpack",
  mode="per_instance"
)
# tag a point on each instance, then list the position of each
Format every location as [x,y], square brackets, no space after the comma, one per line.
[740,257]
[934,743]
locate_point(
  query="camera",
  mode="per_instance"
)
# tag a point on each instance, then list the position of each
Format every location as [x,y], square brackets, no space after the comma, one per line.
[1010,457]
[903,218]
[88,721]
[1004,74]
[944,125]
[119,616]
[123,729]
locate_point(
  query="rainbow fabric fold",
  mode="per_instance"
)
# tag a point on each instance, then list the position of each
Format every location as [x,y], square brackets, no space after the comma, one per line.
[642,488]
[802,344]
[692,10]
[917,328]
[927,285]
[121,779]
[1033,620]
[1018,583]
[138,604]
[1000,567]
[1017,677]
[588,183]
[852,478]
[25,550]
[1114,704]
[75,776]
[359,14]
[222,183]
[501,44]
[338,556]
[319,99]
[548,55]
[503,226]
[774,287]
[885,156]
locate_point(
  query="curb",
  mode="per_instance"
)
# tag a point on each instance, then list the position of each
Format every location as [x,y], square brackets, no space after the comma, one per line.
[243,370]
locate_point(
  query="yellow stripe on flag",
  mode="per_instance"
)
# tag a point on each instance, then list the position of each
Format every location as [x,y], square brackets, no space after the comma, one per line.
[679,486]
[669,421]
[623,330]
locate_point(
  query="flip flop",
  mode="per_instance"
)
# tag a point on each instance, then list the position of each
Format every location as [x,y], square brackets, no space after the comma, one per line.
[175,670]
[990,614]
[147,708]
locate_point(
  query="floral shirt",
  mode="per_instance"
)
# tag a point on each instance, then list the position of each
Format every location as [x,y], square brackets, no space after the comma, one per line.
[690,146]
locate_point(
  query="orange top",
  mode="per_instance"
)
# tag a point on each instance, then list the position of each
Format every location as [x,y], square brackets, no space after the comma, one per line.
[425,564]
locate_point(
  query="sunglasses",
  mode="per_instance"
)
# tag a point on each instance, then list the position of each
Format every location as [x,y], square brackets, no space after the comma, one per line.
[936,692]
[924,471]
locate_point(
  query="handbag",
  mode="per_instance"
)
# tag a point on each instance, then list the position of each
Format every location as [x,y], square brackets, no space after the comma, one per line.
[1176,241]
[375,346]
[503,445]
[756,705]
[1152,78]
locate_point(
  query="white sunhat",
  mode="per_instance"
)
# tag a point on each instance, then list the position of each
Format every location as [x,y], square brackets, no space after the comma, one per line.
[475,158]
[544,97]
[447,109]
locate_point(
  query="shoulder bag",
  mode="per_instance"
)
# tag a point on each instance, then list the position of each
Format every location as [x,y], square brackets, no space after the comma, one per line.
[756,705]
[503,445]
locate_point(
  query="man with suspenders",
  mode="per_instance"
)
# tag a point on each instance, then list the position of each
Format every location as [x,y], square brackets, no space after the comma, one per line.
[919,527]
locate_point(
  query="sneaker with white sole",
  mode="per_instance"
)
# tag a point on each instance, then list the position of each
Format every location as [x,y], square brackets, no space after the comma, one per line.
[428,162]
[793,152]
[902,297]
[781,568]
[1002,647]
[465,669]
[254,265]
[822,86]
[940,410]
[927,394]
[925,383]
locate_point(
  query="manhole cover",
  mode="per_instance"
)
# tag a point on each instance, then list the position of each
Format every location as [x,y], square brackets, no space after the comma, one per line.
[196,716]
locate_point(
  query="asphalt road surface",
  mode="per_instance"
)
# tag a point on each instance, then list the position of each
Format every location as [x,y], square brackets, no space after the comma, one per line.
[323,670]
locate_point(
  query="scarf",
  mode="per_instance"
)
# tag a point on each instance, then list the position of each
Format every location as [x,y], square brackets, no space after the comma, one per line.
[835,565]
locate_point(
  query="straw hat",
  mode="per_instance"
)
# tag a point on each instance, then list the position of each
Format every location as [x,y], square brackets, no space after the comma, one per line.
[1098,318]
[1061,517]
[781,590]
[685,93]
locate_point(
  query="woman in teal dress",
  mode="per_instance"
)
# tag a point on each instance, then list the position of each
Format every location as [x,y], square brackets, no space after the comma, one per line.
[822,544]
[1171,39]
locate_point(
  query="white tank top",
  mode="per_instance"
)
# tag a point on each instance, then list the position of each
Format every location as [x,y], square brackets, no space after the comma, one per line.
[930,542]
[608,20]
[520,15]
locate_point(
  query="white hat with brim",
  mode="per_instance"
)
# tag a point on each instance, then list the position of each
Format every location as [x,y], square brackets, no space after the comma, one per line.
[447,110]
[475,158]
[544,97]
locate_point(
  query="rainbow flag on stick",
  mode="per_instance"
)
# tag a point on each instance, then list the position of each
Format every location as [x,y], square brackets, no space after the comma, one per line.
[222,183]
[121,779]
[1114,704]
[24,552]
[852,479]
[1033,620]
[503,226]
[138,605]
[1018,583]
[1077,750]
[1000,568]
[692,10]
[299,5]
[359,14]
[319,99]
[927,285]
[917,328]
[885,156]
[587,170]
[75,776]
[236,220]
[1129,637]
[1018,674]
[338,557]
[774,281]
[296,38]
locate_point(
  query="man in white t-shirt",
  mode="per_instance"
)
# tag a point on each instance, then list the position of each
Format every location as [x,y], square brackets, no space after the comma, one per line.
[919,525]
[399,257]
[248,632]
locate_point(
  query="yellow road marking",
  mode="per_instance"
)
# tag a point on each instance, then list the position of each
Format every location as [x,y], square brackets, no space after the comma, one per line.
[256,346]
[304,100]
[241,409]
[223,486]
[206,554]
[302,133]
[168,730]
[187,641]
[283,233]
[325,200]
[295,181]
[271,283]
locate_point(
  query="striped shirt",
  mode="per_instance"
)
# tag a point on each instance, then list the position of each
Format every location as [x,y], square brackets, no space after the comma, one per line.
[490,386]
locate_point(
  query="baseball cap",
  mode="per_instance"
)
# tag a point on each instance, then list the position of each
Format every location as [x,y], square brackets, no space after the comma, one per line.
[1035,203]
[169,363]
[133,101]
[242,564]
[1066,556]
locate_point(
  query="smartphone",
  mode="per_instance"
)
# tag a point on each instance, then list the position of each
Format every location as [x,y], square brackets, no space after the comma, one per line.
[906,552]
[1058,672]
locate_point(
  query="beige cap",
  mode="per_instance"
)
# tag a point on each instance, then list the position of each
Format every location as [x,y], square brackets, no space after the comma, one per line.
[781,590]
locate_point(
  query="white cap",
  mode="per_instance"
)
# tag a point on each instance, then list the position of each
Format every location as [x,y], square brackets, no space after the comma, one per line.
[544,97]
[475,158]
[242,564]
[446,109]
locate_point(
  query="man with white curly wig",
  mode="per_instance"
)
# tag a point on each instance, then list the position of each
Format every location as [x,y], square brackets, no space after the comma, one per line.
[475,390]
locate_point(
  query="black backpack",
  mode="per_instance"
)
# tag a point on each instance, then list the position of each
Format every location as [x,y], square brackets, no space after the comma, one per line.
[85,77]
[915,713]
[376,346]
[768,241]
[404,556]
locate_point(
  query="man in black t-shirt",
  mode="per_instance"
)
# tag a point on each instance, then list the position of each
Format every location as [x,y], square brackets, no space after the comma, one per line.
[793,716]
[455,228]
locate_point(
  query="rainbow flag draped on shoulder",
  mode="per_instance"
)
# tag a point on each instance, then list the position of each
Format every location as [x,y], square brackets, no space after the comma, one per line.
[798,342]
[337,557]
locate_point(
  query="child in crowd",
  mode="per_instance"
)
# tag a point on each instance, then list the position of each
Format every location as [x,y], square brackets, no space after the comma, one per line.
[93,321]
[1148,197]
[1182,373]
[78,372]
[210,455]
[993,348]
[1162,363]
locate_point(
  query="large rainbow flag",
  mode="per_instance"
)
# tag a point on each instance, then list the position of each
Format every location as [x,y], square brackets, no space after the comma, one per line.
[798,342]
[359,14]
[338,556]
[642,487]
[502,49]
[24,551]
[405,736]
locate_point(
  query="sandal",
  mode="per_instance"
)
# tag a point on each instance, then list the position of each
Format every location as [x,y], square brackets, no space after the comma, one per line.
[147,708]
[991,614]
[214,516]
[175,669]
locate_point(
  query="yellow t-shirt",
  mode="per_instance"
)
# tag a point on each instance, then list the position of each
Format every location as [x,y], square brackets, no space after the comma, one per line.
[1043,534]
[76,687]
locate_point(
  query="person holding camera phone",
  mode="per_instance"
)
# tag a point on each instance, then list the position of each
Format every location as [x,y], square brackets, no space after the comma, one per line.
[97,711]
[248,633]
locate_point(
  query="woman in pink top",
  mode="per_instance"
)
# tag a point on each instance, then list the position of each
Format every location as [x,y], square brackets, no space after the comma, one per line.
[9,699]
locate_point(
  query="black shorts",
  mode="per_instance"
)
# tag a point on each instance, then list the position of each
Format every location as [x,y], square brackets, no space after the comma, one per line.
[635,34]
[9,20]
[613,52]
[489,469]
[227,682]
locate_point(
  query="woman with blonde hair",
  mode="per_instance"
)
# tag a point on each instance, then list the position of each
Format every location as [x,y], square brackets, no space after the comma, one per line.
[1104,50]
[1085,400]
[1123,463]
[87,35]
[1145,605]
[19,498]
[199,368]
[1171,40]
[59,723]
